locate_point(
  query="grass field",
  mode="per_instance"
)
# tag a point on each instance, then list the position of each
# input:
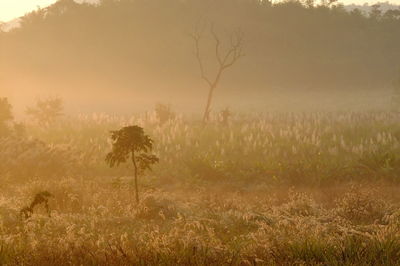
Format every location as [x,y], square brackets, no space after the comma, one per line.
[267,189]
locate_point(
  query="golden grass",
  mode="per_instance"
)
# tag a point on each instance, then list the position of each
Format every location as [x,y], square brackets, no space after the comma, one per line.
[276,189]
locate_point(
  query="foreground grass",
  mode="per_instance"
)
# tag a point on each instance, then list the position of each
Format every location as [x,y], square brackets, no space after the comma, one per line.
[96,223]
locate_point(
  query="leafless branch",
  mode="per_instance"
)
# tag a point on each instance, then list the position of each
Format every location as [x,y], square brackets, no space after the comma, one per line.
[236,50]
[196,36]
[217,45]
[224,59]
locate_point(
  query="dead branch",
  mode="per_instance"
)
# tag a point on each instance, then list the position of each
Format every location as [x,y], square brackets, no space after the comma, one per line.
[225,59]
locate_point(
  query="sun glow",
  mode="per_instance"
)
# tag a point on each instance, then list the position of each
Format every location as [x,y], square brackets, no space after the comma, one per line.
[10,9]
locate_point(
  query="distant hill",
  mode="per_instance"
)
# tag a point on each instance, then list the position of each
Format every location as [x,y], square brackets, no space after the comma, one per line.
[142,49]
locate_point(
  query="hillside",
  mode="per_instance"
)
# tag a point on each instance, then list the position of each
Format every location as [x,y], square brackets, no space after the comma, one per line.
[116,49]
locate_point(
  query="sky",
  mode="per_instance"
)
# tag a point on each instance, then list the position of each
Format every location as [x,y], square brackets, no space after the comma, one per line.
[10,9]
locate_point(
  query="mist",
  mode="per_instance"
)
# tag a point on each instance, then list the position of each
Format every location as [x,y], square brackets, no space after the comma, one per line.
[94,55]
[229,132]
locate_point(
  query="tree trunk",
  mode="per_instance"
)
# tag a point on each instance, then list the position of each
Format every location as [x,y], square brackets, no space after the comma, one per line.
[207,111]
[136,177]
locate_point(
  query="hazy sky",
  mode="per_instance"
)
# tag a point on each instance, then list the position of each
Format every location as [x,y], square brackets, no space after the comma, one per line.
[10,9]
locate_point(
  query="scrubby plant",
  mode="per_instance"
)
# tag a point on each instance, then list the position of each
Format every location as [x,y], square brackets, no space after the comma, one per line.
[225,116]
[164,113]
[152,207]
[39,199]
[132,143]
[361,205]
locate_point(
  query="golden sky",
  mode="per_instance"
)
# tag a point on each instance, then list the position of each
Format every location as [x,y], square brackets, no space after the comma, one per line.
[10,9]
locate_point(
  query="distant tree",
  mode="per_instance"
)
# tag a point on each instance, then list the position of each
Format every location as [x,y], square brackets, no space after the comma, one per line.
[132,143]
[225,60]
[5,116]
[5,110]
[375,12]
[46,111]
[328,3]
[309,3]
[164,113]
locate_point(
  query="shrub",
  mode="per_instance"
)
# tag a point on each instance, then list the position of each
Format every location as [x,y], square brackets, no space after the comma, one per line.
[164,113]
[361,205]
[24,157]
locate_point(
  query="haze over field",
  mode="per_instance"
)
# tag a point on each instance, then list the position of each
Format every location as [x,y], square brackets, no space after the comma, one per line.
[200,132]
[297,56]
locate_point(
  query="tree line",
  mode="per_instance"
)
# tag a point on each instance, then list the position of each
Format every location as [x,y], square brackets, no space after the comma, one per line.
[125,43]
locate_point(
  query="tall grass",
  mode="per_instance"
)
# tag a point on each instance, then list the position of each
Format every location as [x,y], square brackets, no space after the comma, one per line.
[271,189]
[308,148]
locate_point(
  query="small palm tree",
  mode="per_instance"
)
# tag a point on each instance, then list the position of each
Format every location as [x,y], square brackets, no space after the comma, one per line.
[131,143]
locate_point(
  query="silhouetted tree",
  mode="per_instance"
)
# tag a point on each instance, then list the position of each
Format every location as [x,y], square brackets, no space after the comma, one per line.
[225,60]
[132,143]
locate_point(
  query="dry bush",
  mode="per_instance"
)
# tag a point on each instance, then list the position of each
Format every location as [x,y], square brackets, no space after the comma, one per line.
[153,207]
[24,157]
[300,204]
[362,205]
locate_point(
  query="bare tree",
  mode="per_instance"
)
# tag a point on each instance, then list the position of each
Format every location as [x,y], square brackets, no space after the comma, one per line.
[225,59]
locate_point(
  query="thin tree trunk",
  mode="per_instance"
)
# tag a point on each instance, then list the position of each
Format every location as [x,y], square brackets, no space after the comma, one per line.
[136,174]
[207,111]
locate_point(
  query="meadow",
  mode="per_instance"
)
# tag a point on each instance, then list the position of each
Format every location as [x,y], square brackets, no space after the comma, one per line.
[316,188]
